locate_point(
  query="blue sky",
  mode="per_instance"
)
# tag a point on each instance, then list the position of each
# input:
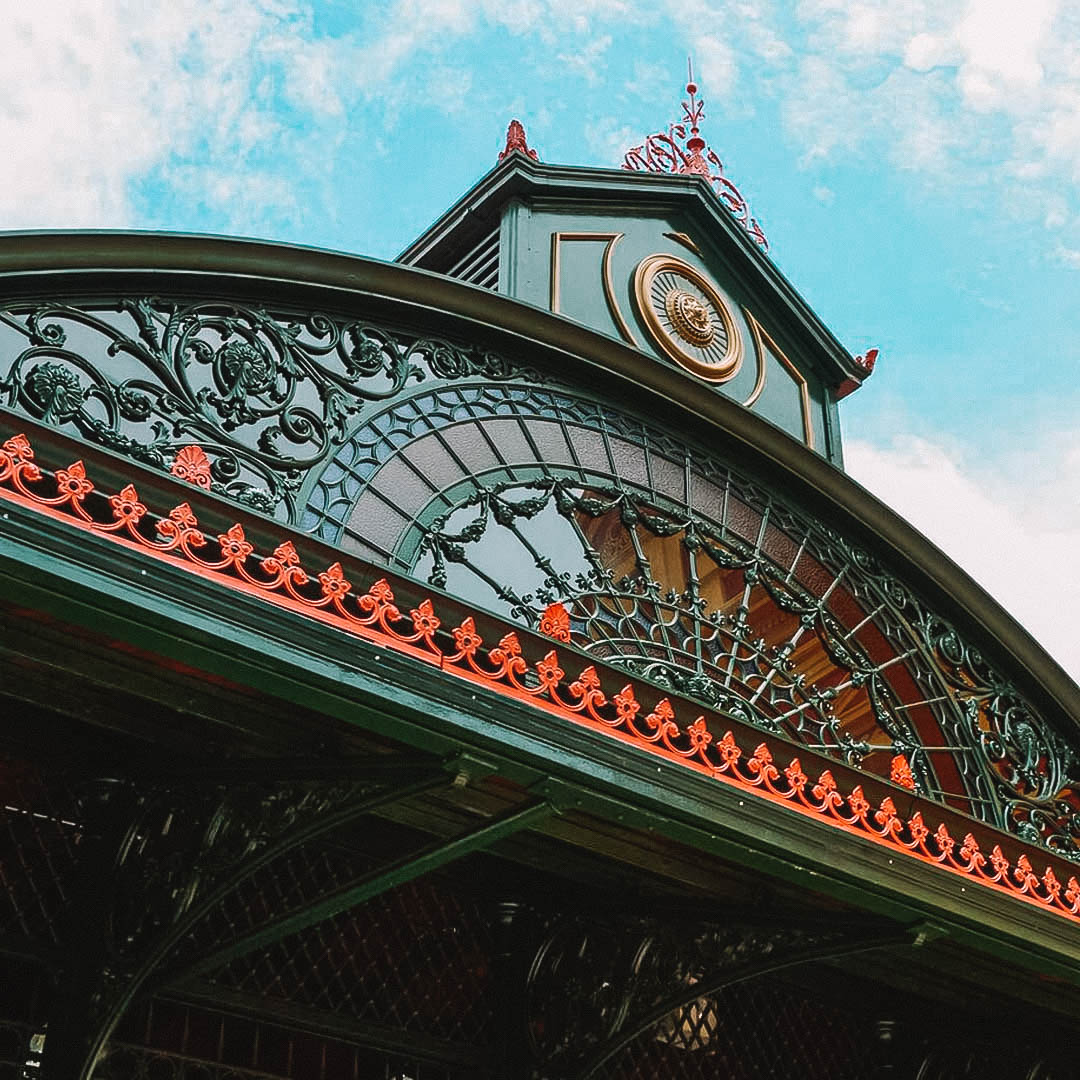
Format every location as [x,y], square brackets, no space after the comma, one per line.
[916,166]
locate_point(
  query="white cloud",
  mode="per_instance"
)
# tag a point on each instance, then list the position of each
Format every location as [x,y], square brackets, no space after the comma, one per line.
[97,95]
[1068,256]
[409,28]
[1016,531]
[587,59]
[608,139]
[976,93]
[1000,53]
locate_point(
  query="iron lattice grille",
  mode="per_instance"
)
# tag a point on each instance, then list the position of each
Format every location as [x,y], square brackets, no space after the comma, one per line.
[417,958]
[39,847]
[678,566]
[288,884]
[760,1030]
[770,1029]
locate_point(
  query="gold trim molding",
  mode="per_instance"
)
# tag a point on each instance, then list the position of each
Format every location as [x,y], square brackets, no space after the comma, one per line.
[684,331]
[685,240]
[763,339]
[557,239]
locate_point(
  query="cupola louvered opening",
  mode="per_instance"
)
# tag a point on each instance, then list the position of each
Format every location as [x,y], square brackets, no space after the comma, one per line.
[480,265]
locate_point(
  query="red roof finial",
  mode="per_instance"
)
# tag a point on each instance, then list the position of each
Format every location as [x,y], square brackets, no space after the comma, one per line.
[865,364]
[674,152]
[693,111]
[515,140]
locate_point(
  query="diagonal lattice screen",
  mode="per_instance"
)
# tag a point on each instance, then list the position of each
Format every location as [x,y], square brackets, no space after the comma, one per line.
[417,958]
[39,837]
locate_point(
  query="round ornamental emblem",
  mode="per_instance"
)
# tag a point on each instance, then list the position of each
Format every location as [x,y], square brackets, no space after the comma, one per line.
[687,317]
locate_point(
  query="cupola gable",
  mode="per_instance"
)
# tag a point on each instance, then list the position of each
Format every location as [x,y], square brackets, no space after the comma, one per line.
[663,255]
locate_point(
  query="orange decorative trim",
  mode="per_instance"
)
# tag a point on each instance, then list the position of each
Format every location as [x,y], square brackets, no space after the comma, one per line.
[192,464]
[900,772]
[330,597]
[555,622]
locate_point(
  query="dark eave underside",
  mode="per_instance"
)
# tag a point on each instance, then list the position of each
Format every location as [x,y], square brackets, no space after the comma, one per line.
[609,865]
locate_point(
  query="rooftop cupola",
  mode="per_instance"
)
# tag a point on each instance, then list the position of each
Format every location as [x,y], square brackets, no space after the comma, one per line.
[662,254]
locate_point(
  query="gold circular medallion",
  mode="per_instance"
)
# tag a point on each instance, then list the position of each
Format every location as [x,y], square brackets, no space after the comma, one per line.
[687,317]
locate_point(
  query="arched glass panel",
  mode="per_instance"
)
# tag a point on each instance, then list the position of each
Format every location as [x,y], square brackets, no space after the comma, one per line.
[677,566]
[454,463]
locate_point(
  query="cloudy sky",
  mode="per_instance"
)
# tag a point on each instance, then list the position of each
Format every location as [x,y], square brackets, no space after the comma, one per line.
[915,163]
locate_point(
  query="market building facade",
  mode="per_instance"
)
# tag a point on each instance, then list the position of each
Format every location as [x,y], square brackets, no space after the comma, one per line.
[480,665]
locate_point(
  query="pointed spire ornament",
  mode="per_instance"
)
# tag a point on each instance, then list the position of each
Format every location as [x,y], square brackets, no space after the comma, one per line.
[515,140]
[679,153]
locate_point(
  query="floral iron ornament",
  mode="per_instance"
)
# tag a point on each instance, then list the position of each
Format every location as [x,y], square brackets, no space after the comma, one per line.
[69,495]
[674,152]
[241,400]
[192,464]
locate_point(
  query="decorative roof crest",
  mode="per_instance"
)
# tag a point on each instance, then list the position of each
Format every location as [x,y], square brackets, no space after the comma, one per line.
[674,152]
[865,364]
[515,140]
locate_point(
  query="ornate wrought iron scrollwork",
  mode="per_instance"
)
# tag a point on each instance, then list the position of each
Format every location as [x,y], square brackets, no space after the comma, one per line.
[935,715]
[273,398]
[671,637]
[1033,768]
[268,395]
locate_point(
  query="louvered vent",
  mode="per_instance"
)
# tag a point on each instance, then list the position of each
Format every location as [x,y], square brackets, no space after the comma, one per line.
[480,266]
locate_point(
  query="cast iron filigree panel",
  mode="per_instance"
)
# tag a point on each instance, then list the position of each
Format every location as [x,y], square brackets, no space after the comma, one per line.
[668,560]
[264,394]
[451,462]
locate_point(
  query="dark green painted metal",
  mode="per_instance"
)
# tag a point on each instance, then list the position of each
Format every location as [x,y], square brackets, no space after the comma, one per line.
[70,264]
[81,581]
[645,231]
[518,182]
[399,872]
[409,702]
[413,1044]
[276,770]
